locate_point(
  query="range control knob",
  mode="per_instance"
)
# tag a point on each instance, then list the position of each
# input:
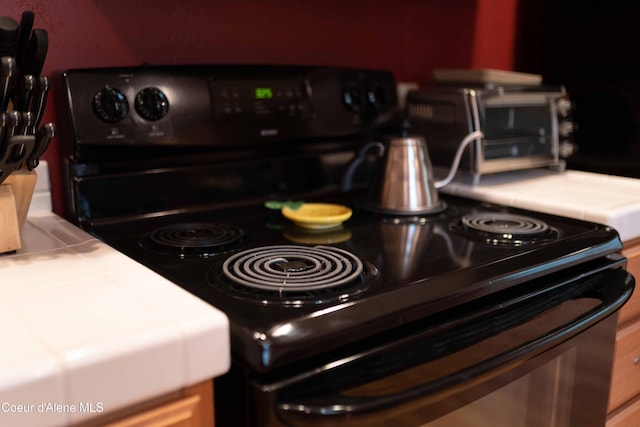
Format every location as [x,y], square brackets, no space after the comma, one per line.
[152,104]
[376,97]
[110,105]
[352,98]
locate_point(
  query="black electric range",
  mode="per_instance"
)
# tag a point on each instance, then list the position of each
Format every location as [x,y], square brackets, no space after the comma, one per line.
[172,166]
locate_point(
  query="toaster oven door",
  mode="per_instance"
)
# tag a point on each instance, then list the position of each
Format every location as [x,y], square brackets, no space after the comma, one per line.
[520,131]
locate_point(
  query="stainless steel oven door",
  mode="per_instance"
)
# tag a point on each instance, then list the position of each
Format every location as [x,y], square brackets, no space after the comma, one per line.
[536,355]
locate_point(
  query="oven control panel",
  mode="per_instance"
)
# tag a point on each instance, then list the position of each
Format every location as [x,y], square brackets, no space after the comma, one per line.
[255,99]
[222,106]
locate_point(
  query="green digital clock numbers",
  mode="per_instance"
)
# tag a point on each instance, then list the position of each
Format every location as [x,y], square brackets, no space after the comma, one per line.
[264,93]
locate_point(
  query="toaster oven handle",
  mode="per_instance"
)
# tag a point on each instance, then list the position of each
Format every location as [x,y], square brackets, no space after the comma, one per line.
[313,399]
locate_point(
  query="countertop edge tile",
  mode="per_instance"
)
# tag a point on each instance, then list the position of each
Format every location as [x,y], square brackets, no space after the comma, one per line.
[105,378]
[35,382]
[205,331]
[206,340]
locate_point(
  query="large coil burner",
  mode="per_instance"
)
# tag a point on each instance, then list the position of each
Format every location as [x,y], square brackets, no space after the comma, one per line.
[504,228]
[293,275]
[194,239]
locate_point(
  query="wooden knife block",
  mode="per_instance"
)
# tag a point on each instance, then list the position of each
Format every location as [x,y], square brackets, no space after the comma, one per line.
[15,197]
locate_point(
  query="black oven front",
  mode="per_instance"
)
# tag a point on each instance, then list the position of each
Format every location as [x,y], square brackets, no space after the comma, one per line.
[529,359]
[476,314]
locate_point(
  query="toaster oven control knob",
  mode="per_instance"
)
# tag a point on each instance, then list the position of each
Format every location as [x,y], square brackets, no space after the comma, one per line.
[110,105]
[565,128]
[152,104]
[352,98]
[563,105]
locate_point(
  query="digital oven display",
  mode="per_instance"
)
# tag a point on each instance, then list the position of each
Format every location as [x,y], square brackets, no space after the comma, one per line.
[276,99]
[264,93]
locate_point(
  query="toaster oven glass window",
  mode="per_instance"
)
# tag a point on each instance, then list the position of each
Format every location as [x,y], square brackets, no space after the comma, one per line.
[518,131]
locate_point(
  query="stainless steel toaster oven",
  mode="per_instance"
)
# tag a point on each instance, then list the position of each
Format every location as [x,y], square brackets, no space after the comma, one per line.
[523,126]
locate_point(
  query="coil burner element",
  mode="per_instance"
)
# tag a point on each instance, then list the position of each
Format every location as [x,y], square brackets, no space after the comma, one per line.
[194,239]
[505,228]
[293,275]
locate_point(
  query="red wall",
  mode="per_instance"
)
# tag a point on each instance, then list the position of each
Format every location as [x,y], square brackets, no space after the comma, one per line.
[408,37]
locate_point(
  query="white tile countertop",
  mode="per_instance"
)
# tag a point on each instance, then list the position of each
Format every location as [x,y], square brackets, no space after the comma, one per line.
[605,199]
[86,330]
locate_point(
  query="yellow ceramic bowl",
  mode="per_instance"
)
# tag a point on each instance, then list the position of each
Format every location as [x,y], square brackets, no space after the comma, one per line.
[317,215]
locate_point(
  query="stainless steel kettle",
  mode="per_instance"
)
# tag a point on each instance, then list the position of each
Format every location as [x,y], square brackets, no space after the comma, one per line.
[403,181]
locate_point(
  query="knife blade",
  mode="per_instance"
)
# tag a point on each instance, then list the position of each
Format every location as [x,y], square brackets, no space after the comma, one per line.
[35,54]
[24,33]
[42,140]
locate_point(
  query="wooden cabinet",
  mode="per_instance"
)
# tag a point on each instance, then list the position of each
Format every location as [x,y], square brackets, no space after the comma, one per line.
[190,407]
[624,399]
[631,310]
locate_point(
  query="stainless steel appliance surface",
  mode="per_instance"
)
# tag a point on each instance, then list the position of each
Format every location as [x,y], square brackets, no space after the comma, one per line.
[470,312]
[524,125]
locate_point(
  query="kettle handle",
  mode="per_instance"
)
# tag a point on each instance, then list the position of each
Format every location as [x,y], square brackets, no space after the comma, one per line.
[347,180]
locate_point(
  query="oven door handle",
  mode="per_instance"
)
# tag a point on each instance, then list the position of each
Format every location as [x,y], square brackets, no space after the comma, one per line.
[311,399]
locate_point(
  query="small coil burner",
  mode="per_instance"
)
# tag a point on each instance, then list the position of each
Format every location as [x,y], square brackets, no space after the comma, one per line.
[292,275]
[504,228]
[194,239]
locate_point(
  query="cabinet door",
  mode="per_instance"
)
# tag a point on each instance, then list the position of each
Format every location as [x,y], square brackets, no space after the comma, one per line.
[628,416]
[631,309]
[194,408]
[625,384]
[181,413]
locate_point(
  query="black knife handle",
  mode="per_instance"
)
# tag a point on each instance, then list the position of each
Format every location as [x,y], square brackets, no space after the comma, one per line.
[42,141]
[24,33]
[36,52]
[23,92]
[39,101]
[8,69]
[13,125]
[4,124]
[15,151]
[26,126]
[8,36]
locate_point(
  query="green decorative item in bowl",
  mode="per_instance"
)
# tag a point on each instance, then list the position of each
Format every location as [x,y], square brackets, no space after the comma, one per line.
[278,205]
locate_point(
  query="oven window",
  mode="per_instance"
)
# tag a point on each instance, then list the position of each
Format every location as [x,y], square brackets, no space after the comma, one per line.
[517,131]
[540,398]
